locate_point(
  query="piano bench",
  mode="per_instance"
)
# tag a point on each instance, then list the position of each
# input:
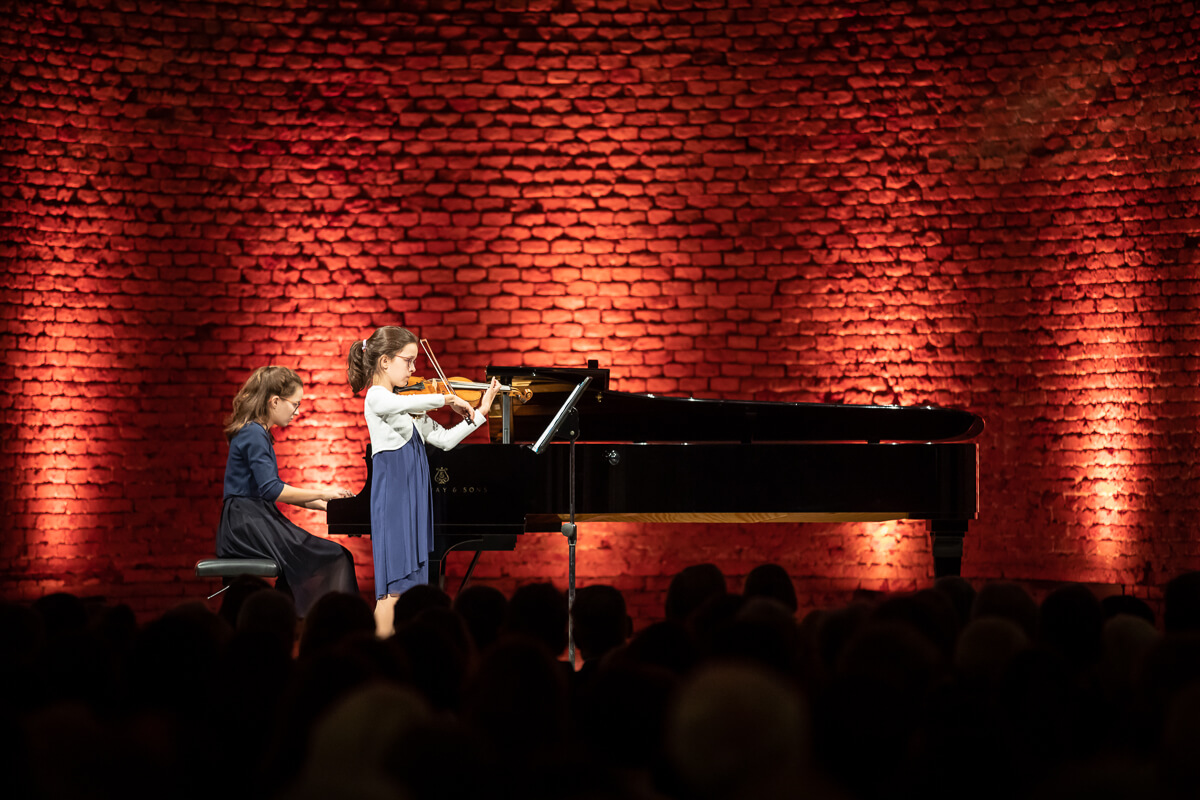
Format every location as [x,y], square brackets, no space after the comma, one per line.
[229,568]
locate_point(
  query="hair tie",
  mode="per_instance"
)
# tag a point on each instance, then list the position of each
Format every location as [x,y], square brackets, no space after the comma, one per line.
[364,345]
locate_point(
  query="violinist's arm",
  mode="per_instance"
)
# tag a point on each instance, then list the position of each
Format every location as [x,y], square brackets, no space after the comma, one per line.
[447,438]
[387,405]
[489,396]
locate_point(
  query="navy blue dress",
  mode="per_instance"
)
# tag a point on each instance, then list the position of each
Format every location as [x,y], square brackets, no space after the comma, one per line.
[401,500]
[401,517]
[252,526]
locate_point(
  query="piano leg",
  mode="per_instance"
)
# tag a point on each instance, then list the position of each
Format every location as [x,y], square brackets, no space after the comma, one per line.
[470,569]
[437,570]
[437,564]
[947,538]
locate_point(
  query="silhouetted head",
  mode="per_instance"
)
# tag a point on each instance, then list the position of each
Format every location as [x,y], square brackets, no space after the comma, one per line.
[417,599]
[1179,767]
[23,632]
[236,593]
[771,581]
[737,731]
[691,588]
[1116,604]
[442,758]
[518,698]
[987,647]
[600,620]
[1070,623]
[1181,603]
[960,593]
[435,647]
[763,632]
[664,644]
[928,612]
[483,609]
[335,617]
[834,629]
[173,655]
[621,712]
[539,611]
[1010,601]
[61,612]
[271,615]
[1127,639]
[357,735]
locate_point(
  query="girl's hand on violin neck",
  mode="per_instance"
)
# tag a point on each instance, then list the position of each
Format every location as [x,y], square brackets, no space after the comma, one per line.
[493,389]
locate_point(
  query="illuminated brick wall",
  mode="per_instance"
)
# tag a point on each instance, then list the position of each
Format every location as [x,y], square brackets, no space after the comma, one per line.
[988,205]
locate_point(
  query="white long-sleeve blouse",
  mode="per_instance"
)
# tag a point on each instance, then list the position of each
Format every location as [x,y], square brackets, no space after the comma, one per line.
[391,419]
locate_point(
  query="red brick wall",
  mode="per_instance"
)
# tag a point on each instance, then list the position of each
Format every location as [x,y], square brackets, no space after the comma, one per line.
[982,204]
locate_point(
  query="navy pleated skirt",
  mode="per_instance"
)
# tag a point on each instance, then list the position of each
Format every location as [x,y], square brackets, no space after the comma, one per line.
[252,527]
[401,517]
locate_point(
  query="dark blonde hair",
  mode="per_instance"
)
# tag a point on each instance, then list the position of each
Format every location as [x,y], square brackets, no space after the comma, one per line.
[250,404]
[363,360]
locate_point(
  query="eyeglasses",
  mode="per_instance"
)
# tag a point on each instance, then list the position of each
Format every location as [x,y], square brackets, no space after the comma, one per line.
[411,360]
[295,406]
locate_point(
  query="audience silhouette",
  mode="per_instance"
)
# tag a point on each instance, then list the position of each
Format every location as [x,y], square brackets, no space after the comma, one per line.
[772,581]
[947,691]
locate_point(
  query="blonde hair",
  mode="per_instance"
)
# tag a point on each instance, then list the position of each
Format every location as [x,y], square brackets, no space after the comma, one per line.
[250,404]
[362,362]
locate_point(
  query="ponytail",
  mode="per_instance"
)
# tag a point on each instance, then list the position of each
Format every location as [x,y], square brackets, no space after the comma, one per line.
[358,372]
[250,404]
[362,362]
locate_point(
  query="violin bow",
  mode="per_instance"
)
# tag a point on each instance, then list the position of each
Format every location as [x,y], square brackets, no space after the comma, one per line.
[441,375]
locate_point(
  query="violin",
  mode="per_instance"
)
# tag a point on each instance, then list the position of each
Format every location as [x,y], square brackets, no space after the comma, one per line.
[470,391]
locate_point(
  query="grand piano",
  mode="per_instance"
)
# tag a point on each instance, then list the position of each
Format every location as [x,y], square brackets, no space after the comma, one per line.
[642,458]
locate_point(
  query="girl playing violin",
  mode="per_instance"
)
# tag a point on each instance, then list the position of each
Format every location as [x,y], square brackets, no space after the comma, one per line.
[401,498]
[251,524]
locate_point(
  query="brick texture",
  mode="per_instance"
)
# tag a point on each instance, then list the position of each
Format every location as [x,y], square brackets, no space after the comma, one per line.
[986,204]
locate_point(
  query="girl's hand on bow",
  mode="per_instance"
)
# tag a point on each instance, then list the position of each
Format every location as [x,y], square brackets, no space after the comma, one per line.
[461,406]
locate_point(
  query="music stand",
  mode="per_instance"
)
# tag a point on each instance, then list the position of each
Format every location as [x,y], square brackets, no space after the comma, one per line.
[568,410]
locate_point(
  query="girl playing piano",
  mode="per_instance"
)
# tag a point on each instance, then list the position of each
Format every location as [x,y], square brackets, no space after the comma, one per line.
[401,500]
[251,524]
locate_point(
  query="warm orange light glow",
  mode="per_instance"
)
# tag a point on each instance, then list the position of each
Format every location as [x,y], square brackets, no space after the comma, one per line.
[1102,442]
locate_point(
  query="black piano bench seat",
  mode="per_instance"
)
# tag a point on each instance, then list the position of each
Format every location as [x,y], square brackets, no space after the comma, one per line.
[230,568]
